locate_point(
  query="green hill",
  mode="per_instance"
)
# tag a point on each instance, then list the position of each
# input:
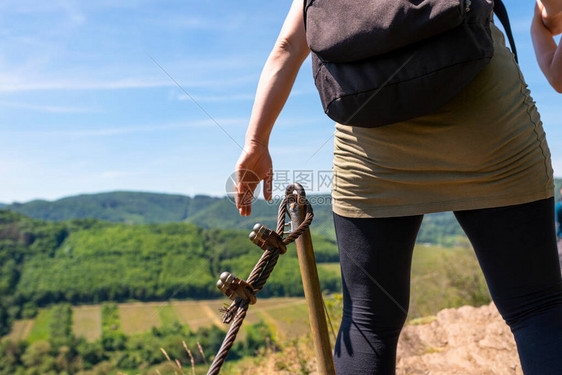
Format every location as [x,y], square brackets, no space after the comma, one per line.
[128,207]
[90,261]
[141,208]
[203,211]
[208,212]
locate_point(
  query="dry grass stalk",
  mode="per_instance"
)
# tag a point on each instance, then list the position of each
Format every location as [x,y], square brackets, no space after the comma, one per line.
[202,353]
[178,363]
[166,354]
[190,357]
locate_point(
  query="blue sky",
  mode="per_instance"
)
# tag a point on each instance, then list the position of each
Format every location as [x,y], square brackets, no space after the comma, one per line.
[84,108]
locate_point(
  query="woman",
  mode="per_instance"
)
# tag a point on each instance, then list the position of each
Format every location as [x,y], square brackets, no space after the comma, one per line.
[483,156]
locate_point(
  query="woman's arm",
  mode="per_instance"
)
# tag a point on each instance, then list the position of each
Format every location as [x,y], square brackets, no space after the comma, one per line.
[276,80]
[551,12]
[549,55]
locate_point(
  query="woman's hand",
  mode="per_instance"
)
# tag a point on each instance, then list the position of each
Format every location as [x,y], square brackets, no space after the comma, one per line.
[253,166]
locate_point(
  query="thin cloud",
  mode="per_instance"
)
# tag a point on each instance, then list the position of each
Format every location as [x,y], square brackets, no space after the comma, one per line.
[118,84]
[70,9]
[182,22]
[218,98]
[47,108]
[110,175]
[81,85]
[127,130]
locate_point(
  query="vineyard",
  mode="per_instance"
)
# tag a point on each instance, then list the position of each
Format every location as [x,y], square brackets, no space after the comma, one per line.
[287,317]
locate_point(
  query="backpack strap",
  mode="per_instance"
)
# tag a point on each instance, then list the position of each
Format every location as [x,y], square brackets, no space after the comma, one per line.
[501,12]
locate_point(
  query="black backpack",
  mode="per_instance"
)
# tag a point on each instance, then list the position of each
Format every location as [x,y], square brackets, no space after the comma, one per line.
[377,62]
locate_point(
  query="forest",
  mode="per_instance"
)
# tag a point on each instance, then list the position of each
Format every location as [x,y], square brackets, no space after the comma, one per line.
[91,261]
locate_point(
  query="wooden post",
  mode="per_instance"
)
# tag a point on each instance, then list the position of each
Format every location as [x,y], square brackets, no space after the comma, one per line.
[312,292]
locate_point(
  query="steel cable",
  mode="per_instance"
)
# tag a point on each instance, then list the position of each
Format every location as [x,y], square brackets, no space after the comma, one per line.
[237,310]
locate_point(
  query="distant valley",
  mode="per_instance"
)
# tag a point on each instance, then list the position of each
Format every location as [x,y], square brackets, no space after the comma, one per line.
[205,212]
[210,212]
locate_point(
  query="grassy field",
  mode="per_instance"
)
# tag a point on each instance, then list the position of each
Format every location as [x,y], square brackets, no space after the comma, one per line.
[167,314]
[332,267]
[441,277]
[286,316]
[86,322]
[289,321]
[139,317]
[20,330]
[190,312]
[40,330]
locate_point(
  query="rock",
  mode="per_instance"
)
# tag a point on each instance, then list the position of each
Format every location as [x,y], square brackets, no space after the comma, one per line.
[467,340]
[464,341]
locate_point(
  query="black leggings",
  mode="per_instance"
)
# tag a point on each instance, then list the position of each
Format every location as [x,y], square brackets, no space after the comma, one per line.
[516,249]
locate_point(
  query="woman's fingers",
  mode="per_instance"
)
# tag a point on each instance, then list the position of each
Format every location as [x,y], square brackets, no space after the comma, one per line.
[246,183]
[268,186]
[253,166]
[246,203]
